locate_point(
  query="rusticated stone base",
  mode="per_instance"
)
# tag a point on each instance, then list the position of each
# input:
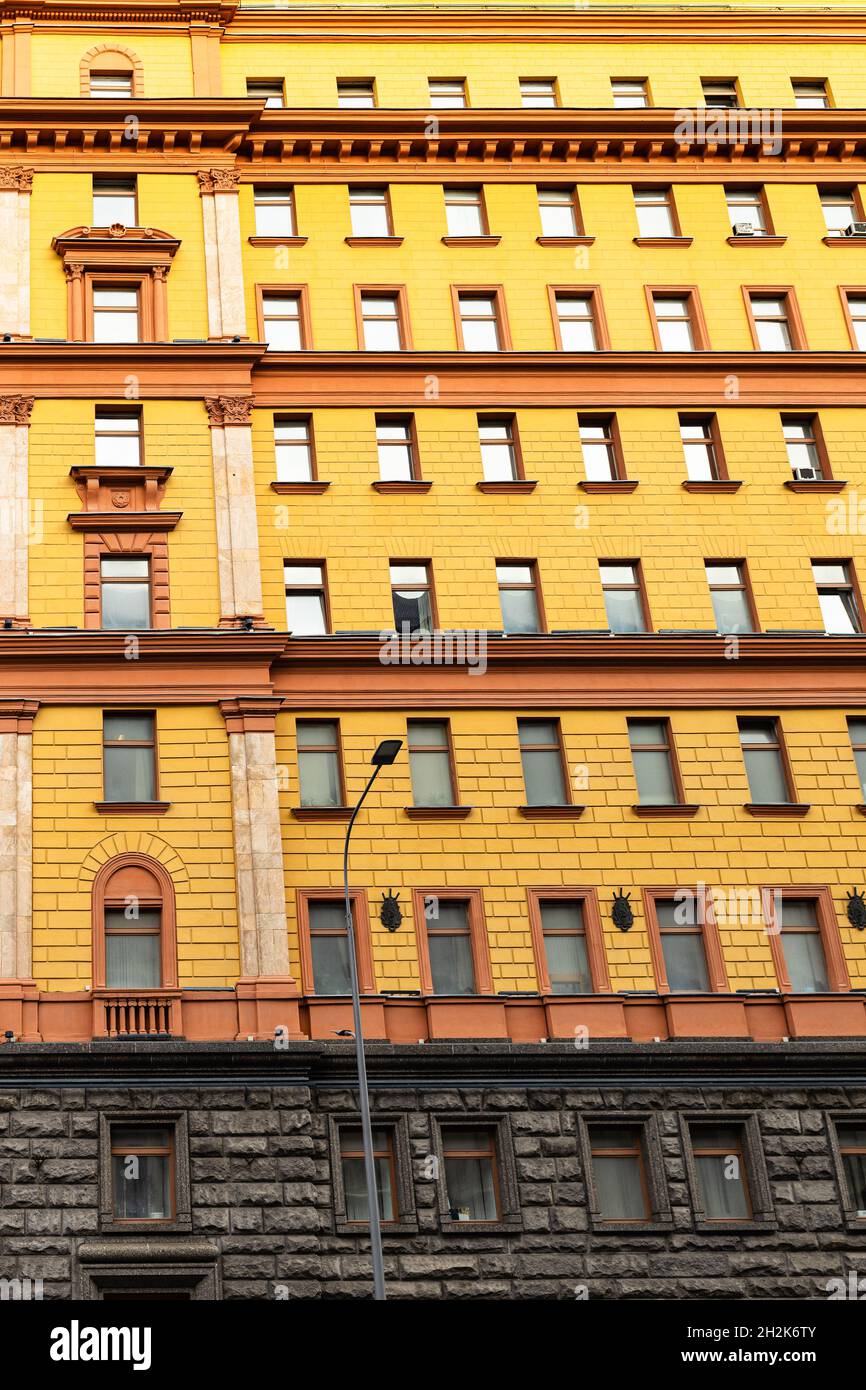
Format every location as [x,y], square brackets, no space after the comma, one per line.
[266,1221]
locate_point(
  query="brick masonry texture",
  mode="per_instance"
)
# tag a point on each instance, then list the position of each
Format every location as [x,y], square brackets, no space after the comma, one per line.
[262,1182]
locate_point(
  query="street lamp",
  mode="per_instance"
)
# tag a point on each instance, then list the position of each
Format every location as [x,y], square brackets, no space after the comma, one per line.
[383,757]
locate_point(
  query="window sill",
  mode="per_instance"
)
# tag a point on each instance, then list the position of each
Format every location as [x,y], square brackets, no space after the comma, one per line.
[782,810]
[132,808]
[757,240]
[373,240]
[313,487]
[506,1226]
[757,1224]
[277,240]
[565,240]
[608,484]
[636,1228]
[509,485]
[471,240]
[343,1227]
[672,241]
[844,240]
[569,812]
[681,811]
[819,485]
[438,812]
[402,485]
[712,484]
[313,813]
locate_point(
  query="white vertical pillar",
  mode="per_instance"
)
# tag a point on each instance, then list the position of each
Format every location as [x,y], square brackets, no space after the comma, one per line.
[16,184]
[237,530]
[222,253]
[14,508]
[16,838]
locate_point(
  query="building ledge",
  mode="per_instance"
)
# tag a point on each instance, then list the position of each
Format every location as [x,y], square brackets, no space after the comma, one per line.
[819,485]
[471,240]
[711,485]
[317,813]
[312,487]
[508,485]
[680,811]
[569,812]
[608,484]
[402,485]
[438,812]
[132,808]
[778,811]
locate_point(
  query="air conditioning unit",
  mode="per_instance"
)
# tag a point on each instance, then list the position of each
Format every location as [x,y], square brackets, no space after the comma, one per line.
[856,229]
[744,229]
[806,475]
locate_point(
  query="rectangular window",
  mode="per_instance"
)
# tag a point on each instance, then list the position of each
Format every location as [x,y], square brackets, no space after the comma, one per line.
[479,322]
[655,212]
[557,208]
[810,94]
[518,597]
[282,322]
[720,1171]
[499,456]
[356,94]
[412,596]
[623,597]
[293,447]
[730,595]
[270,90]
[329,946]
[274,207]
[114,200]
[395,444]
[109,86]
[115,314]
[142,1173]
[766,766]
[856,305]
[629,93]
[841,209]
[538,92]
[566,954]
[306,599]
[381,323]
[599,443]
[319,763]
[471,1178]
[772,323]
[682,945]
[674,325]
[575,320]
[653,758]
[129,756]
[464,212]
[117,438]
[802,945]
[449,945]
[857,732]
[699,435]
[430,762]
[619,1173]
[747,210]
[837,595]
[720,92]
[852,1151]
[543,762]
[370,211]
[447,93]
[124,582]
[355,1177]
[804,445]
[132,948]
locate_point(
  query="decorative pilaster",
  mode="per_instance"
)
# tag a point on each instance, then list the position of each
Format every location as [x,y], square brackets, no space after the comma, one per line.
[230,419]
[16,184]
[267,994]
[14,509]
[16,861]
[222,253]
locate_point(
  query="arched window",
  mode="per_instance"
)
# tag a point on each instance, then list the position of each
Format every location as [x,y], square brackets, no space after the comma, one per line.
[111,72]
[134,944]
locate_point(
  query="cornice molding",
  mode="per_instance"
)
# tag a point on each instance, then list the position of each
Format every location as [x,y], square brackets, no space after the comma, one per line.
[144,12]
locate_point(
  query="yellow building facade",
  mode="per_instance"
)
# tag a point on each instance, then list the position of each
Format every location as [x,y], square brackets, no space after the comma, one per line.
[321,322]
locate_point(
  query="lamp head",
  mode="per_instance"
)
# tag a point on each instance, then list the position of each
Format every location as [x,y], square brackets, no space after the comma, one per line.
[386,752]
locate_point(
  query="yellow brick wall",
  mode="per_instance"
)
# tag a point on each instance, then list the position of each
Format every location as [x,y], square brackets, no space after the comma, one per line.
[609,848]
[56,58]
[193,839]
[175,434]
[358,530]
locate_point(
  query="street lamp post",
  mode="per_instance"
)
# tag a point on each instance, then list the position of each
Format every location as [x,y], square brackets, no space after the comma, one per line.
[383,757]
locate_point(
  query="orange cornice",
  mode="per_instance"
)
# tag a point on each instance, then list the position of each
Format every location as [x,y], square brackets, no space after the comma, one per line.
[165,370]
[556,378]
[144,12]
